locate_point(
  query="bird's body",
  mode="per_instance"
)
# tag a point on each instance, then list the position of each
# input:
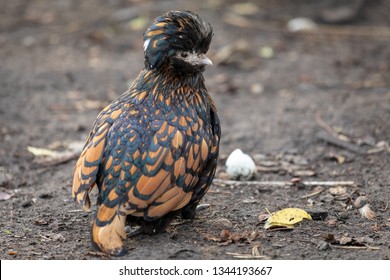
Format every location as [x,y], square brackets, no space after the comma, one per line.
[153,152]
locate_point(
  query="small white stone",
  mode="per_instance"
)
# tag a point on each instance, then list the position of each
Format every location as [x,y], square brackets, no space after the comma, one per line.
[299,24]
[240,166]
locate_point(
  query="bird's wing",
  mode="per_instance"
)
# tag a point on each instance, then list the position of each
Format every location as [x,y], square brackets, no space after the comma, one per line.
[150,171]
[87,166]
[207,174]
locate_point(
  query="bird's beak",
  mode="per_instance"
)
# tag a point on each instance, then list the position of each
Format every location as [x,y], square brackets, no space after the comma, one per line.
[204,60]
[198,59]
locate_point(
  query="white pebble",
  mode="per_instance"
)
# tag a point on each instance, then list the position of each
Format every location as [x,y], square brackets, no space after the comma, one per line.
[240,166]
[299,24]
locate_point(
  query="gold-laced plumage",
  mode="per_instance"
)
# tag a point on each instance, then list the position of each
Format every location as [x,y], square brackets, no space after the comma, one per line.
[153,152]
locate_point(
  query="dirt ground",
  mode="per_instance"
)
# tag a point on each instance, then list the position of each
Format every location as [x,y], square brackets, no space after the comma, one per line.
[311,106]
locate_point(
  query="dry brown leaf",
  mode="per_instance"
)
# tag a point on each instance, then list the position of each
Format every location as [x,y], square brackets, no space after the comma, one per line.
[344,240]
[52,237]
[332,222]
[263,217]
[338,190]
[5,195]
[41,222]
[361,203]
[376,227]
[227,237]
[304,173]
[255,251]
[367,212]
[222,223]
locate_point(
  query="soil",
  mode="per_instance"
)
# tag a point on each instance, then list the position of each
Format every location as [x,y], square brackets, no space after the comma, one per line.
[308,106]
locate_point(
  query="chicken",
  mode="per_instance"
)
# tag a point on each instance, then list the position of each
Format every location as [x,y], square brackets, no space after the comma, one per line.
[153,152]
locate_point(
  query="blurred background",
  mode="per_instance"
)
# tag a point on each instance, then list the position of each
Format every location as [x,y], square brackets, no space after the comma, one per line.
[57,55]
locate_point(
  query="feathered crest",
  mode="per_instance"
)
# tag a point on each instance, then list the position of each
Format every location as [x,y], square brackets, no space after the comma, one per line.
[175,30]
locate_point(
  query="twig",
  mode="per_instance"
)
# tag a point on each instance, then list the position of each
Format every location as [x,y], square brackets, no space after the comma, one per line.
[246,256]
[365,247]
[340,143]
[378,150]
[320,190]
[99,254]
[76,211]
[53,161]
[329,129]
[335,138]
[284,183]
[219,192]
[272,229]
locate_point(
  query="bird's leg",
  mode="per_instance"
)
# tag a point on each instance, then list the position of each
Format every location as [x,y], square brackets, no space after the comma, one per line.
[189,211]
[157,226]
[108,230]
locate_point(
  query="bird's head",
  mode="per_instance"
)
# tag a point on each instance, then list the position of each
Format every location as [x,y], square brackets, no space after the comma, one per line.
[179,39]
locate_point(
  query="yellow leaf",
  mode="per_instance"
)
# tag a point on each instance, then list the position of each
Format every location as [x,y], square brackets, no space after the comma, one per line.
[138,23]
[266,52]
[287,218]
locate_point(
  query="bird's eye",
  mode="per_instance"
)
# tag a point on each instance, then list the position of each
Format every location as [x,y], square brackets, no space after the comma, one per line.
[184,55]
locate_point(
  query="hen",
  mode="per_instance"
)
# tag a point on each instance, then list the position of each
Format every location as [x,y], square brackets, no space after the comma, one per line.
[153,152]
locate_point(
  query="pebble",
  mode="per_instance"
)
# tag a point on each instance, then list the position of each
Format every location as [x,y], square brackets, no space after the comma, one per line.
[323,245]
[240,166]
[203,206]
[301,23]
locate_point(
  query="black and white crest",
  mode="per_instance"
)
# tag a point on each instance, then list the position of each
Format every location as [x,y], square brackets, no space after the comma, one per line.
[173,32]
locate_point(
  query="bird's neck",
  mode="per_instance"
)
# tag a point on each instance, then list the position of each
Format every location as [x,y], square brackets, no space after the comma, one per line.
[170,92]
[166,80]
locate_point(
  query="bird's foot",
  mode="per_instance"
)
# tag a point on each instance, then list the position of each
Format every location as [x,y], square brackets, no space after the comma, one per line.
[108,238]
